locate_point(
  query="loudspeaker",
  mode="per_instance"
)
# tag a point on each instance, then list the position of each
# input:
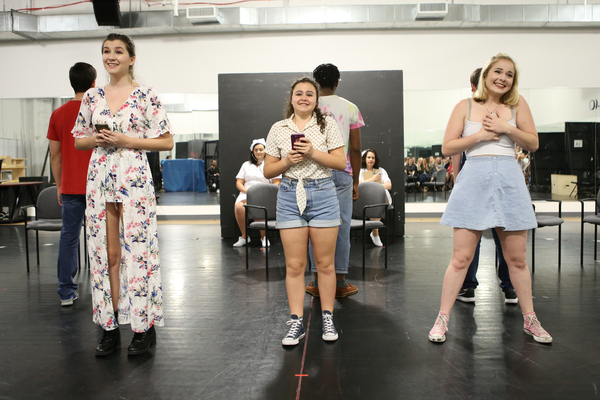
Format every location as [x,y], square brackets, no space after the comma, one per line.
[181,150]
[107,12]
[580,143]
[551,151]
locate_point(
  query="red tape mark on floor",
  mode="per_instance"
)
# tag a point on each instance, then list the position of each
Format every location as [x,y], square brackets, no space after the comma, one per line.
[300,375]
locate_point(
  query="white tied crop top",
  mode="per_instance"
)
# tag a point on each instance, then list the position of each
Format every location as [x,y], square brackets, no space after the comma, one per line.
[503,147]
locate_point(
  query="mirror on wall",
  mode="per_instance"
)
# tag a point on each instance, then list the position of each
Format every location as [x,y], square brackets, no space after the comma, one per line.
[566,119]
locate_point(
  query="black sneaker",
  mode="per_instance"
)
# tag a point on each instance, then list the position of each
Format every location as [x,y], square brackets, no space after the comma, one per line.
[510,296]
[295,333]
[466,295]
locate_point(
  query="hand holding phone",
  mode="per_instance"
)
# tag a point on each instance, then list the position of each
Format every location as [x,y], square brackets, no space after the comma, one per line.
[296,138]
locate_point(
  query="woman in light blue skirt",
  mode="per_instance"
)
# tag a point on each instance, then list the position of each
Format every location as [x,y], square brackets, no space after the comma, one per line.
[490,190]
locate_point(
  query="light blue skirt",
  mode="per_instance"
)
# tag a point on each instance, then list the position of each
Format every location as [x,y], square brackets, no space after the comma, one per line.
[490,192]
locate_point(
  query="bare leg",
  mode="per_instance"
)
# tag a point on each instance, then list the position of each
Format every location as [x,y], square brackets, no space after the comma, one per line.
[323,240]
[240,216]
[114,212]
[295,247]
[463,250]
[514,248]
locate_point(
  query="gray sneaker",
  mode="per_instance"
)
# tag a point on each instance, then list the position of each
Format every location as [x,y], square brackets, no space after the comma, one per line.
[69,301]
[329,332]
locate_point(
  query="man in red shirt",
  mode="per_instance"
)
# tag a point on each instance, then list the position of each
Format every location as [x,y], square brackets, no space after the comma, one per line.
[69,168]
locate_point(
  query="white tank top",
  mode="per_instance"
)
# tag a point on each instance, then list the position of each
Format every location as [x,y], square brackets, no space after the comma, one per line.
[503,147]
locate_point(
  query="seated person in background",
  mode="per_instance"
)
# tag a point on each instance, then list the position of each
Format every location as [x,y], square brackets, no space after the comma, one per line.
[411,170]
[371,172]
[214,176]
[427,171]
[438,164]
[523,161]
[449,175]
[251,173]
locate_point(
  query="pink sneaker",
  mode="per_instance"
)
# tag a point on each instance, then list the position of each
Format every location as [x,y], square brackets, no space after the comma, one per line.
[533,327]
[438,332]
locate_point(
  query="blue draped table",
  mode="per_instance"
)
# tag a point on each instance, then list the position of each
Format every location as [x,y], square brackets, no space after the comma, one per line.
[184,175]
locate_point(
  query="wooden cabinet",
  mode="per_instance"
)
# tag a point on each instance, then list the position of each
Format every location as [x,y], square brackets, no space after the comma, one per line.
[16,166]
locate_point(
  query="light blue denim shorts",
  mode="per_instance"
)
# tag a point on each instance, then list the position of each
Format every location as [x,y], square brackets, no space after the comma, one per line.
[322,208]
[490,192]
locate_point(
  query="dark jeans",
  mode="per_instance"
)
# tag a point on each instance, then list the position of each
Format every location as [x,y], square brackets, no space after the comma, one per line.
[471,279]
[424,178]
[73,210]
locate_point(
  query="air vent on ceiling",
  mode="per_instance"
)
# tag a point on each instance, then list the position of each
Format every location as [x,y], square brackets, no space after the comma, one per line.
[432,10]
[202,15]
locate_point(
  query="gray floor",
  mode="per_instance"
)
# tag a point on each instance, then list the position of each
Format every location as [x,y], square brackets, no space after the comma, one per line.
[224,325]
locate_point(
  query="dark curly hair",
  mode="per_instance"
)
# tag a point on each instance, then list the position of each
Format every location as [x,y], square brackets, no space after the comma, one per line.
[289,109]
[327,75]
[364,159]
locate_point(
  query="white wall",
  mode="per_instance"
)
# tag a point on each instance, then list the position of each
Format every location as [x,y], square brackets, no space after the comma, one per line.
[430,59]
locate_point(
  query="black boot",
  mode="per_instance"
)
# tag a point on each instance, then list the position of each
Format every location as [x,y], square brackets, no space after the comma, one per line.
[110,340]
[142,342]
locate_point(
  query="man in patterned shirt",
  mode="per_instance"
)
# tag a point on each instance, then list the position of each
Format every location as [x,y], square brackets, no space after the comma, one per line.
[349,120]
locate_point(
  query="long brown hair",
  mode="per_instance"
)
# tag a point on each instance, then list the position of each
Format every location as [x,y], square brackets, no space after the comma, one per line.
[289,109]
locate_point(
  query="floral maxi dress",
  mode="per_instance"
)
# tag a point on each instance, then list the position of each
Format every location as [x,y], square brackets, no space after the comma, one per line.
[122,175]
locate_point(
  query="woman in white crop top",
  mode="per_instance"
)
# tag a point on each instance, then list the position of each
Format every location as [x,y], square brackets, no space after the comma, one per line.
[490,190]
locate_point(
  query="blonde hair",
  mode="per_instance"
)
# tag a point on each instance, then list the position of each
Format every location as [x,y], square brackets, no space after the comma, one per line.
[510,98]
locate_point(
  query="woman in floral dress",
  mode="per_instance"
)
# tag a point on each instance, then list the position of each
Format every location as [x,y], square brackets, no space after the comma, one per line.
[121,204]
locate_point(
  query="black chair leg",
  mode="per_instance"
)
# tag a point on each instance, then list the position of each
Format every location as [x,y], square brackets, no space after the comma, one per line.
[364,246]
[266,248]
[387,243]
[595,241]
[559,245]
[533,250]
[581,245]
[37,246]
[246,222]
[27,248]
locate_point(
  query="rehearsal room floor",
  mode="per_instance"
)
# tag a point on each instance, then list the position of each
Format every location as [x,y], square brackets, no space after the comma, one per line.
[224,325]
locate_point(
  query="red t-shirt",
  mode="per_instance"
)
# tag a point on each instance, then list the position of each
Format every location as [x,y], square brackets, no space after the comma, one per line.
[74,162]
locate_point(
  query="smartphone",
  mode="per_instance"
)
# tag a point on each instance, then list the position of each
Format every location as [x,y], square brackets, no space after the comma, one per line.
[295,138]
[99,127]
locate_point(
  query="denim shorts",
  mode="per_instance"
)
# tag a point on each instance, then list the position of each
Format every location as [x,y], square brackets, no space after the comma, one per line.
[322,208]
